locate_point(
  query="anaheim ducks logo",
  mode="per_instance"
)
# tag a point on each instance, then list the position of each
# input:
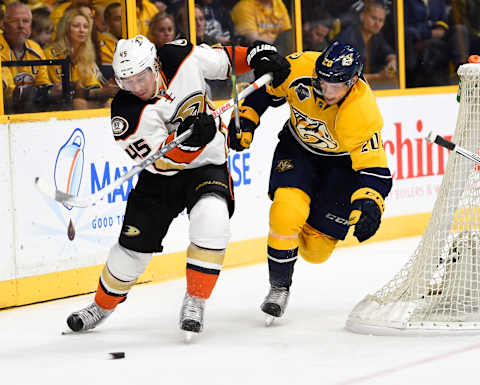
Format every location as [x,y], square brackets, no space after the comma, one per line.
[193,104]
[313,132]
[130,231]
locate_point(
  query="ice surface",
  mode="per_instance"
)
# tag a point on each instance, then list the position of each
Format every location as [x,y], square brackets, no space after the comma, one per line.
[308,346]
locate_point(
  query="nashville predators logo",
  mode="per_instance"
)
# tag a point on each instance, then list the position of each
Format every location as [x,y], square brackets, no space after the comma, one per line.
[193,104]
[130,231]
[347,60]
[284,165]
[313,132]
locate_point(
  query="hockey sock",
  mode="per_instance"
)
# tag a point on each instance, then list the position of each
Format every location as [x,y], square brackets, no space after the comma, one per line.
[203,269]
[111,290]
[280,266]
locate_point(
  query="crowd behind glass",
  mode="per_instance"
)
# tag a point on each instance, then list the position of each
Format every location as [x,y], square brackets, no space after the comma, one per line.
[439,36]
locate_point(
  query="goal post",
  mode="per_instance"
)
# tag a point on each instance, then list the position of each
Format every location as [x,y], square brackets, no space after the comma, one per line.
[438,289]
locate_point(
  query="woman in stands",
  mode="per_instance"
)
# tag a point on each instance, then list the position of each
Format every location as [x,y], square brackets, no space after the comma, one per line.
[73,39]
[161,29]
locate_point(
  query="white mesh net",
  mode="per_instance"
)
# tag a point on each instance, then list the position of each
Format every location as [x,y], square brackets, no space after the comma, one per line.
[438,290]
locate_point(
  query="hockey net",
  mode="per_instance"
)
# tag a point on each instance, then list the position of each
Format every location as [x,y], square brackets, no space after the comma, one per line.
[438,290]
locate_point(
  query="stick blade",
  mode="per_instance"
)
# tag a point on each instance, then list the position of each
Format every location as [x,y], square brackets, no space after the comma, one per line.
[45,188]
[431,137]
[61,197]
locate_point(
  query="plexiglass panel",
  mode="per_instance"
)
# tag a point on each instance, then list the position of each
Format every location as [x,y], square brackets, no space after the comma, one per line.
[367,25]
[439,36]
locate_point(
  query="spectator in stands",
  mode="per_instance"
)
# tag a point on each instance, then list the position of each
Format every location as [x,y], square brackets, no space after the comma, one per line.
[379,58]
[34,5]
[430,43]
[218,22]
[260,19]
[146,10]
[202,37]
[74,40]
[108,40]
[162,29]
[60,9]
[42,27]
[315,31]
[27,89]
[87,10]
[99,19]
[161,6]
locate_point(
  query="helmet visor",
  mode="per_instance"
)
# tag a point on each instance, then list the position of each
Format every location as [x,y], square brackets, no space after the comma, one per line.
[134,82]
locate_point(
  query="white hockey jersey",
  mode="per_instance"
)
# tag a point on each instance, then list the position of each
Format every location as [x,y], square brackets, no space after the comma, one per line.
[143,127]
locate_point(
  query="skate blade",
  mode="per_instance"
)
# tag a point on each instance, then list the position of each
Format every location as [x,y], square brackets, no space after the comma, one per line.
[67,332]
[269,319]
[188,336]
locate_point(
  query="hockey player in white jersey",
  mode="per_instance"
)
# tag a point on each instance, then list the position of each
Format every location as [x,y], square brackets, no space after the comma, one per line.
[162,95]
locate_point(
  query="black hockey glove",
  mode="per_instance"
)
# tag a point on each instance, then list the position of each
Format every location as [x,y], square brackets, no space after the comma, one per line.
[204,129]
[239,141]
[366,216]
[263,58]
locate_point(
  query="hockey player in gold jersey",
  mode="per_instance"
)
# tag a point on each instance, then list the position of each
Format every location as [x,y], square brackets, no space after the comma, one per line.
[329,170]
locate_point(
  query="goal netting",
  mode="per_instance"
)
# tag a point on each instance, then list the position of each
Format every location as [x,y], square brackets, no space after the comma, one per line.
[438,290]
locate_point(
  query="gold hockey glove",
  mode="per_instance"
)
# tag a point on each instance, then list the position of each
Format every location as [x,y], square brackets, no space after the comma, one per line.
[366,214]
[249,121]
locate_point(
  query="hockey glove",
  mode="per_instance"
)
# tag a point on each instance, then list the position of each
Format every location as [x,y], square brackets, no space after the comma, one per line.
[366,214]
[204,130]
[239,141]
[249,121]
[263,58]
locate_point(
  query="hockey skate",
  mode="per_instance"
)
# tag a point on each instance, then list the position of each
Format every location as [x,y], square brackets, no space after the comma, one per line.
[87,318]
[275,303]
[191,316]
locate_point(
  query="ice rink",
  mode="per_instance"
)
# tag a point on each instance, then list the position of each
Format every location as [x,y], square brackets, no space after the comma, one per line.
[308,346]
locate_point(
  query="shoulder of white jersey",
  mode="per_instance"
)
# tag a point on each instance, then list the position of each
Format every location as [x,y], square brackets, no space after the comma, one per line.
[126,110]
[172,55]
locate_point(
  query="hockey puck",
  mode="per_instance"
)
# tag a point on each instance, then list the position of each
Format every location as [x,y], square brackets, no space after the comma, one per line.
[117,355]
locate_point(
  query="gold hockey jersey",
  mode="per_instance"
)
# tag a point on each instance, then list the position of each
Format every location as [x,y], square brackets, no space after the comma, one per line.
[352,126]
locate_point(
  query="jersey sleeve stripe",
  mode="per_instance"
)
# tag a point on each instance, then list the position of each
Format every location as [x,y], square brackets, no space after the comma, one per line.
[179,156]
[241,65]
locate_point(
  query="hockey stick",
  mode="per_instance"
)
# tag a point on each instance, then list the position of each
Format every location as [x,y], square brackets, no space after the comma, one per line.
[74,201]
[233,77]
[437,139]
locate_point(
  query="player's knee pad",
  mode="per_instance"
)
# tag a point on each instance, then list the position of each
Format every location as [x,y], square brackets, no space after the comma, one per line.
[288,214]
[210,222]
[314,246]
[127,265]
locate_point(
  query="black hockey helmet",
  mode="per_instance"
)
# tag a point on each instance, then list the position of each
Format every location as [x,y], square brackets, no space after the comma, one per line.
[339,63]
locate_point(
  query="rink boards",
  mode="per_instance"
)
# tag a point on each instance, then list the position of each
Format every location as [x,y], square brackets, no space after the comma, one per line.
[52,251]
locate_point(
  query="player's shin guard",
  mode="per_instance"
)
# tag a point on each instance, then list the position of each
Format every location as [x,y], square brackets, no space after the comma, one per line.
[120,273]
[203,269]
[288,214]
[281,265]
